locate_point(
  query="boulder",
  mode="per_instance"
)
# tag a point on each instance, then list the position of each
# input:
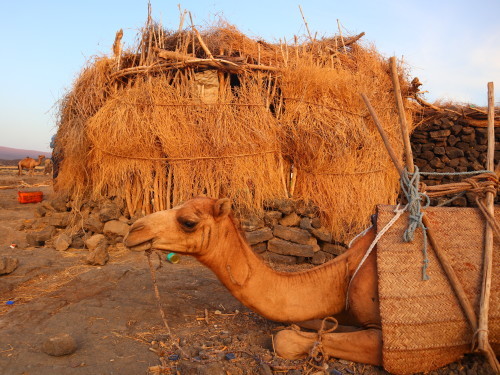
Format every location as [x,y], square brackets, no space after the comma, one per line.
[60,202]
[115,228]
[8,265]
[57,346]
[333,249]
[93,224]
[94,240]
[260,247]
[321,234]
[62,242]
[58,219]
[285,206]
[290,220]
[289,248]
[278,258]
[296,235]
[109,211]
[271,218]
[251,222]
[99,256]
[259,235]
[38,238]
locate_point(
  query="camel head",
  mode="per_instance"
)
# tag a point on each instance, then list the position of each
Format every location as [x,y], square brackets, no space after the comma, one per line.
[185,229]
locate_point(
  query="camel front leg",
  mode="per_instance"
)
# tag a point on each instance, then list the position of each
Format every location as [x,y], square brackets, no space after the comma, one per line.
[361,346]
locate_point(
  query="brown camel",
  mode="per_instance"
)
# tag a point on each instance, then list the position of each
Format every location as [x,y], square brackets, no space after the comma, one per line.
[29,164]
[204,228]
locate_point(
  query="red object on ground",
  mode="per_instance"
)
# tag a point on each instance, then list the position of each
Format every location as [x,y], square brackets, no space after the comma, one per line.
[29,196]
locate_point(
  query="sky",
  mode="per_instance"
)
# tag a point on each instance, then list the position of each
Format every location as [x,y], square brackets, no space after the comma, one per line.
[453,46]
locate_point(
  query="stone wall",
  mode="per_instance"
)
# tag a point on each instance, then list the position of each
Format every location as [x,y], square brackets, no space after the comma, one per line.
[450,144]
[290,232]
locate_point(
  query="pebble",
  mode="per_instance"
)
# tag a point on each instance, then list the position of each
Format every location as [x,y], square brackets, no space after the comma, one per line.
[62,344]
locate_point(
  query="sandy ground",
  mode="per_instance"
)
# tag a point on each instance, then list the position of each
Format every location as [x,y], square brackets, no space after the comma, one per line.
[112,314]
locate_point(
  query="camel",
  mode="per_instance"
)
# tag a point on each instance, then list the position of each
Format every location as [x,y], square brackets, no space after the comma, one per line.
[29,164]
[204,228]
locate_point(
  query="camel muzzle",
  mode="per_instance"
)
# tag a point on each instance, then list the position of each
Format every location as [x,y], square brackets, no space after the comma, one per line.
[139,238]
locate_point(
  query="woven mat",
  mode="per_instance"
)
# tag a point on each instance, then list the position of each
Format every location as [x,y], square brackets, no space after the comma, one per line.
[423,325]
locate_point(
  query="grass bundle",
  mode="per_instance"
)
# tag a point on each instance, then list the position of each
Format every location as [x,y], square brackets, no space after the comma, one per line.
[216,113]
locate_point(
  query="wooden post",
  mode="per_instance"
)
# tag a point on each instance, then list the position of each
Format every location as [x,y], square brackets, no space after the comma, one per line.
[402,117]
[488,241]
[382,133]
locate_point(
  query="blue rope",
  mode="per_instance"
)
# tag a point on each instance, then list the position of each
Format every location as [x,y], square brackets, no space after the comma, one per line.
[409,185]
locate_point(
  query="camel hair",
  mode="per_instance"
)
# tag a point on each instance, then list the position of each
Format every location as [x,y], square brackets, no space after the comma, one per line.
[204,228]
[29,164]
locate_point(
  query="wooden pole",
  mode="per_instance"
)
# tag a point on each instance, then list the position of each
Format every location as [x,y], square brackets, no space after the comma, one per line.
[382,133]
[488,242]
[402,117]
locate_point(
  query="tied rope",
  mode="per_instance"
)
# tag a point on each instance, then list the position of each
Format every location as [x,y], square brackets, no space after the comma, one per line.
[410,183]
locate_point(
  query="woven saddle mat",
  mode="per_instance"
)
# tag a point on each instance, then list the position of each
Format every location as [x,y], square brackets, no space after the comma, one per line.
[423,325]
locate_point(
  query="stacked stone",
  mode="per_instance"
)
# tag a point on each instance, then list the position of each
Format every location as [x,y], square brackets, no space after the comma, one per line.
[450,144]
[290,232]
[102,225]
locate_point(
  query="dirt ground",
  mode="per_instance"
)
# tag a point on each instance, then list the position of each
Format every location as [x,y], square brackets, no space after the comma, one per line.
[112,314]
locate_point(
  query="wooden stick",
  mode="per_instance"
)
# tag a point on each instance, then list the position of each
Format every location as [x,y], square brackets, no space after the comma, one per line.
[382,134]
[202,44]
[488,243]
[341,37]
[402,117]
[307,26]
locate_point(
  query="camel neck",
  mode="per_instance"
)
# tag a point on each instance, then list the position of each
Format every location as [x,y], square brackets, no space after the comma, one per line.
[280,296]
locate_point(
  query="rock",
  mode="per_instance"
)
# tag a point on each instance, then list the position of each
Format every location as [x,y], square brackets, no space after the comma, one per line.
[93,224]
[99,256]
[60,202]
[62,242]
[115,228]
[289,248]
[93,241]
[333,249]
[316,222]
[440,134]
[8,265]
[259,235]
[57,346]
[260,248]
[305,223]
[285,206]
[290,220]
[436,163]
[427,155]
[109,211]
[278,258]
[322,234]
[38,238]
[40,211]
[439,151]
[251,222]
[271,218]
[307,209]
[58,219]
[321,257]
[296,235]
[77,241]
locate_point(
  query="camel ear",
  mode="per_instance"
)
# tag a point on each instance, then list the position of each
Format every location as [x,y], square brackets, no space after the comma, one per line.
[222,208]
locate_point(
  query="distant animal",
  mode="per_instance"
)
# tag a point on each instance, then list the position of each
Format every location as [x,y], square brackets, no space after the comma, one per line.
[29,164]
[48,167]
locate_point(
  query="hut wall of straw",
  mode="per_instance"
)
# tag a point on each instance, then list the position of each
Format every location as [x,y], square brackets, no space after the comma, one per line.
[216,113]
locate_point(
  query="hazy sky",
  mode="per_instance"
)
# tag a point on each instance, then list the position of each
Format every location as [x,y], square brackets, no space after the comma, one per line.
[452,46]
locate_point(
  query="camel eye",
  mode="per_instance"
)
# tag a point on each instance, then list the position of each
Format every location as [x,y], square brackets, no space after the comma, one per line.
[187,224]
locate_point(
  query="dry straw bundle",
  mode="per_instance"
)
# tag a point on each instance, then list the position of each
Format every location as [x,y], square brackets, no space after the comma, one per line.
[187,113]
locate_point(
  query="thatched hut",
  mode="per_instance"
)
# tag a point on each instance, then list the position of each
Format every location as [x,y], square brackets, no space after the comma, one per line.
[186,113]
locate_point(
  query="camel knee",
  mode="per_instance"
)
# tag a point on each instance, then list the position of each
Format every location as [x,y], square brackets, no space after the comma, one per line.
[291,344]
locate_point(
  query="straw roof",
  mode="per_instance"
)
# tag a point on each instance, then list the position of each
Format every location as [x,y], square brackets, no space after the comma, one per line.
[186,113]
